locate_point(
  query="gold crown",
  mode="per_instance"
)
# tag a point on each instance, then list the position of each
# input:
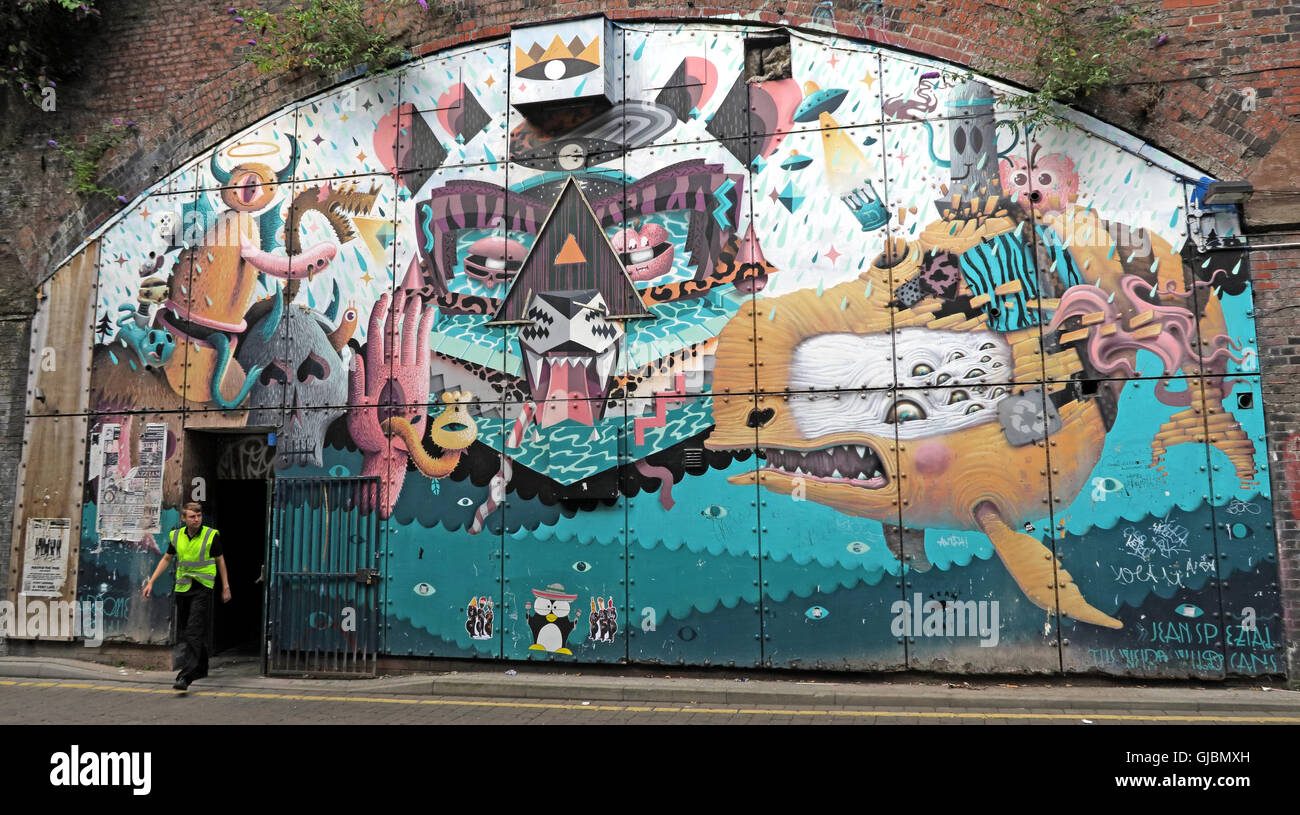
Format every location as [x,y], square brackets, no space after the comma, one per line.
[576,49]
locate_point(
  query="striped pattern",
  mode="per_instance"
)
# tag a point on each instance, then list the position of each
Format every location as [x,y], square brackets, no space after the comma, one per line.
[1060,259]
[571,253]
[497,488]
[995,262]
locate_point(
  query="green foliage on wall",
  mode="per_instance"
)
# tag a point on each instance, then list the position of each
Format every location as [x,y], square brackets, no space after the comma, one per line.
[1070,49]
[326,36]
[39,43]
[84,157]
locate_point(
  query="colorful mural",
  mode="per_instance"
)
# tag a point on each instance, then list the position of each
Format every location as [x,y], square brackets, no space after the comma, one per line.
[841,369]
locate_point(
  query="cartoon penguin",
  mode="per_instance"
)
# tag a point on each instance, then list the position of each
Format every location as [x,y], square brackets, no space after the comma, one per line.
[549,619]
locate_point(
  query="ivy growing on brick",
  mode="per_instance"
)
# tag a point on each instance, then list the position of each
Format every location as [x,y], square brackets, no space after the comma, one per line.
[326,36]
[39,41]
[1068,50]
[84,157]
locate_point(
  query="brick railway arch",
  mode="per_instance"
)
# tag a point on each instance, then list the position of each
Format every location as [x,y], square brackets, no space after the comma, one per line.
[869,203]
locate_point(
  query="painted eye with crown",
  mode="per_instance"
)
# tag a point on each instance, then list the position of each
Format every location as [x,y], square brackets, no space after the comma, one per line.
[558,61]
[557,69]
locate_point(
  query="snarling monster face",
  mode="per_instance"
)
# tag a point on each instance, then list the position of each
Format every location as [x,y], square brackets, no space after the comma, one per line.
[569,352]
[946,383]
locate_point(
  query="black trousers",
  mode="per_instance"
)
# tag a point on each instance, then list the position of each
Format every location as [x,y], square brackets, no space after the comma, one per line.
[193,632]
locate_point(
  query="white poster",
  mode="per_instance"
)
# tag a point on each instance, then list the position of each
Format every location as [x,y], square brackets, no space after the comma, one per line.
[45,557]
[130,497]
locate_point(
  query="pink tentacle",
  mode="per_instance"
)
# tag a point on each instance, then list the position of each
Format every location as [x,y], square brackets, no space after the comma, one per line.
[302,265]
[665,477]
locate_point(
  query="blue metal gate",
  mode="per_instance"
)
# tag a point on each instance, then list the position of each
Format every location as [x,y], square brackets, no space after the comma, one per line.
[323,604]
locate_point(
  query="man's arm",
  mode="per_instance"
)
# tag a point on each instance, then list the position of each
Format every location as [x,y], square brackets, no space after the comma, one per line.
[162,567]
[225,580]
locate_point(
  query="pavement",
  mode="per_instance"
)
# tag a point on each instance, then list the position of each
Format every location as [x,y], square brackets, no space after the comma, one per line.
[683,686]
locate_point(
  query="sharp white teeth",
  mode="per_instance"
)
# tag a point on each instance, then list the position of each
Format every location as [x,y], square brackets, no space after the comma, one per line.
[535,366]
[861,476]
[836,473]
[605,363]
[877,474]
[861,450]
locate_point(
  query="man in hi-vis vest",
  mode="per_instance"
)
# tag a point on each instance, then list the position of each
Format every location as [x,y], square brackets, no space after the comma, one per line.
[197,550]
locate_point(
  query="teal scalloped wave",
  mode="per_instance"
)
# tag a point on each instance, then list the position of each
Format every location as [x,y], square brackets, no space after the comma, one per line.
[1123,486]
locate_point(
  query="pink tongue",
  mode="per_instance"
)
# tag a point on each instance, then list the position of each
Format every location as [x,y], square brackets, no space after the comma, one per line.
[567,396]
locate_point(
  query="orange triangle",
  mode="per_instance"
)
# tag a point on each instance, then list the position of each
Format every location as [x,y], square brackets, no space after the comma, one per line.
[569,252]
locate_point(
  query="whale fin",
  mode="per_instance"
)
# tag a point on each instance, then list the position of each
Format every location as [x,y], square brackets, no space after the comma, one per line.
[1040,575]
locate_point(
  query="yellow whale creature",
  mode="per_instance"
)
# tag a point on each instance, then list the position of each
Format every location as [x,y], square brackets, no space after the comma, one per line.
[892,404]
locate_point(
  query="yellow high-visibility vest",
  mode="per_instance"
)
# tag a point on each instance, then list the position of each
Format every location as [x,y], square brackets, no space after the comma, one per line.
[193,558]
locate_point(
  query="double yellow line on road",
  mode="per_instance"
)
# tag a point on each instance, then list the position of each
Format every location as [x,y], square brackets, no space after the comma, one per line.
[724,711]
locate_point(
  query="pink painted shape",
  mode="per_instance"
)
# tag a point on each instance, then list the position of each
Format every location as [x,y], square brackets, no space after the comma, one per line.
[660,419]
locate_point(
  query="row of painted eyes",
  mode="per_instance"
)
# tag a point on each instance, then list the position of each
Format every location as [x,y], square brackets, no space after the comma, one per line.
[925,369]
[906,410]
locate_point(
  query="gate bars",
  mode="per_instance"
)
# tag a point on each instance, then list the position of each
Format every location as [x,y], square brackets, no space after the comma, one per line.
[323,593]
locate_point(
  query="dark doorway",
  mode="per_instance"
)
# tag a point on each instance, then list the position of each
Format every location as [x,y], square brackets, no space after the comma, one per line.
[229,470]
[238,511]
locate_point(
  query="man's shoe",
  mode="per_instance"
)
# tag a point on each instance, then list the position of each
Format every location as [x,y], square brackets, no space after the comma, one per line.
[181,684]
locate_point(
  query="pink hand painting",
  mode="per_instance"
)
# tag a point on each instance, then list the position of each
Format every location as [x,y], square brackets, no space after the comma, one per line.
[390,385]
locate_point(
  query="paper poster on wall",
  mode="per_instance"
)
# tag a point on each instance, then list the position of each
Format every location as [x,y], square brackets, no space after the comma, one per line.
[130,498]
[45,557]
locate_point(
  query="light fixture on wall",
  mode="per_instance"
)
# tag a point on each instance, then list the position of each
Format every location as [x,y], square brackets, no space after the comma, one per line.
[1214,216]
[1227,192]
